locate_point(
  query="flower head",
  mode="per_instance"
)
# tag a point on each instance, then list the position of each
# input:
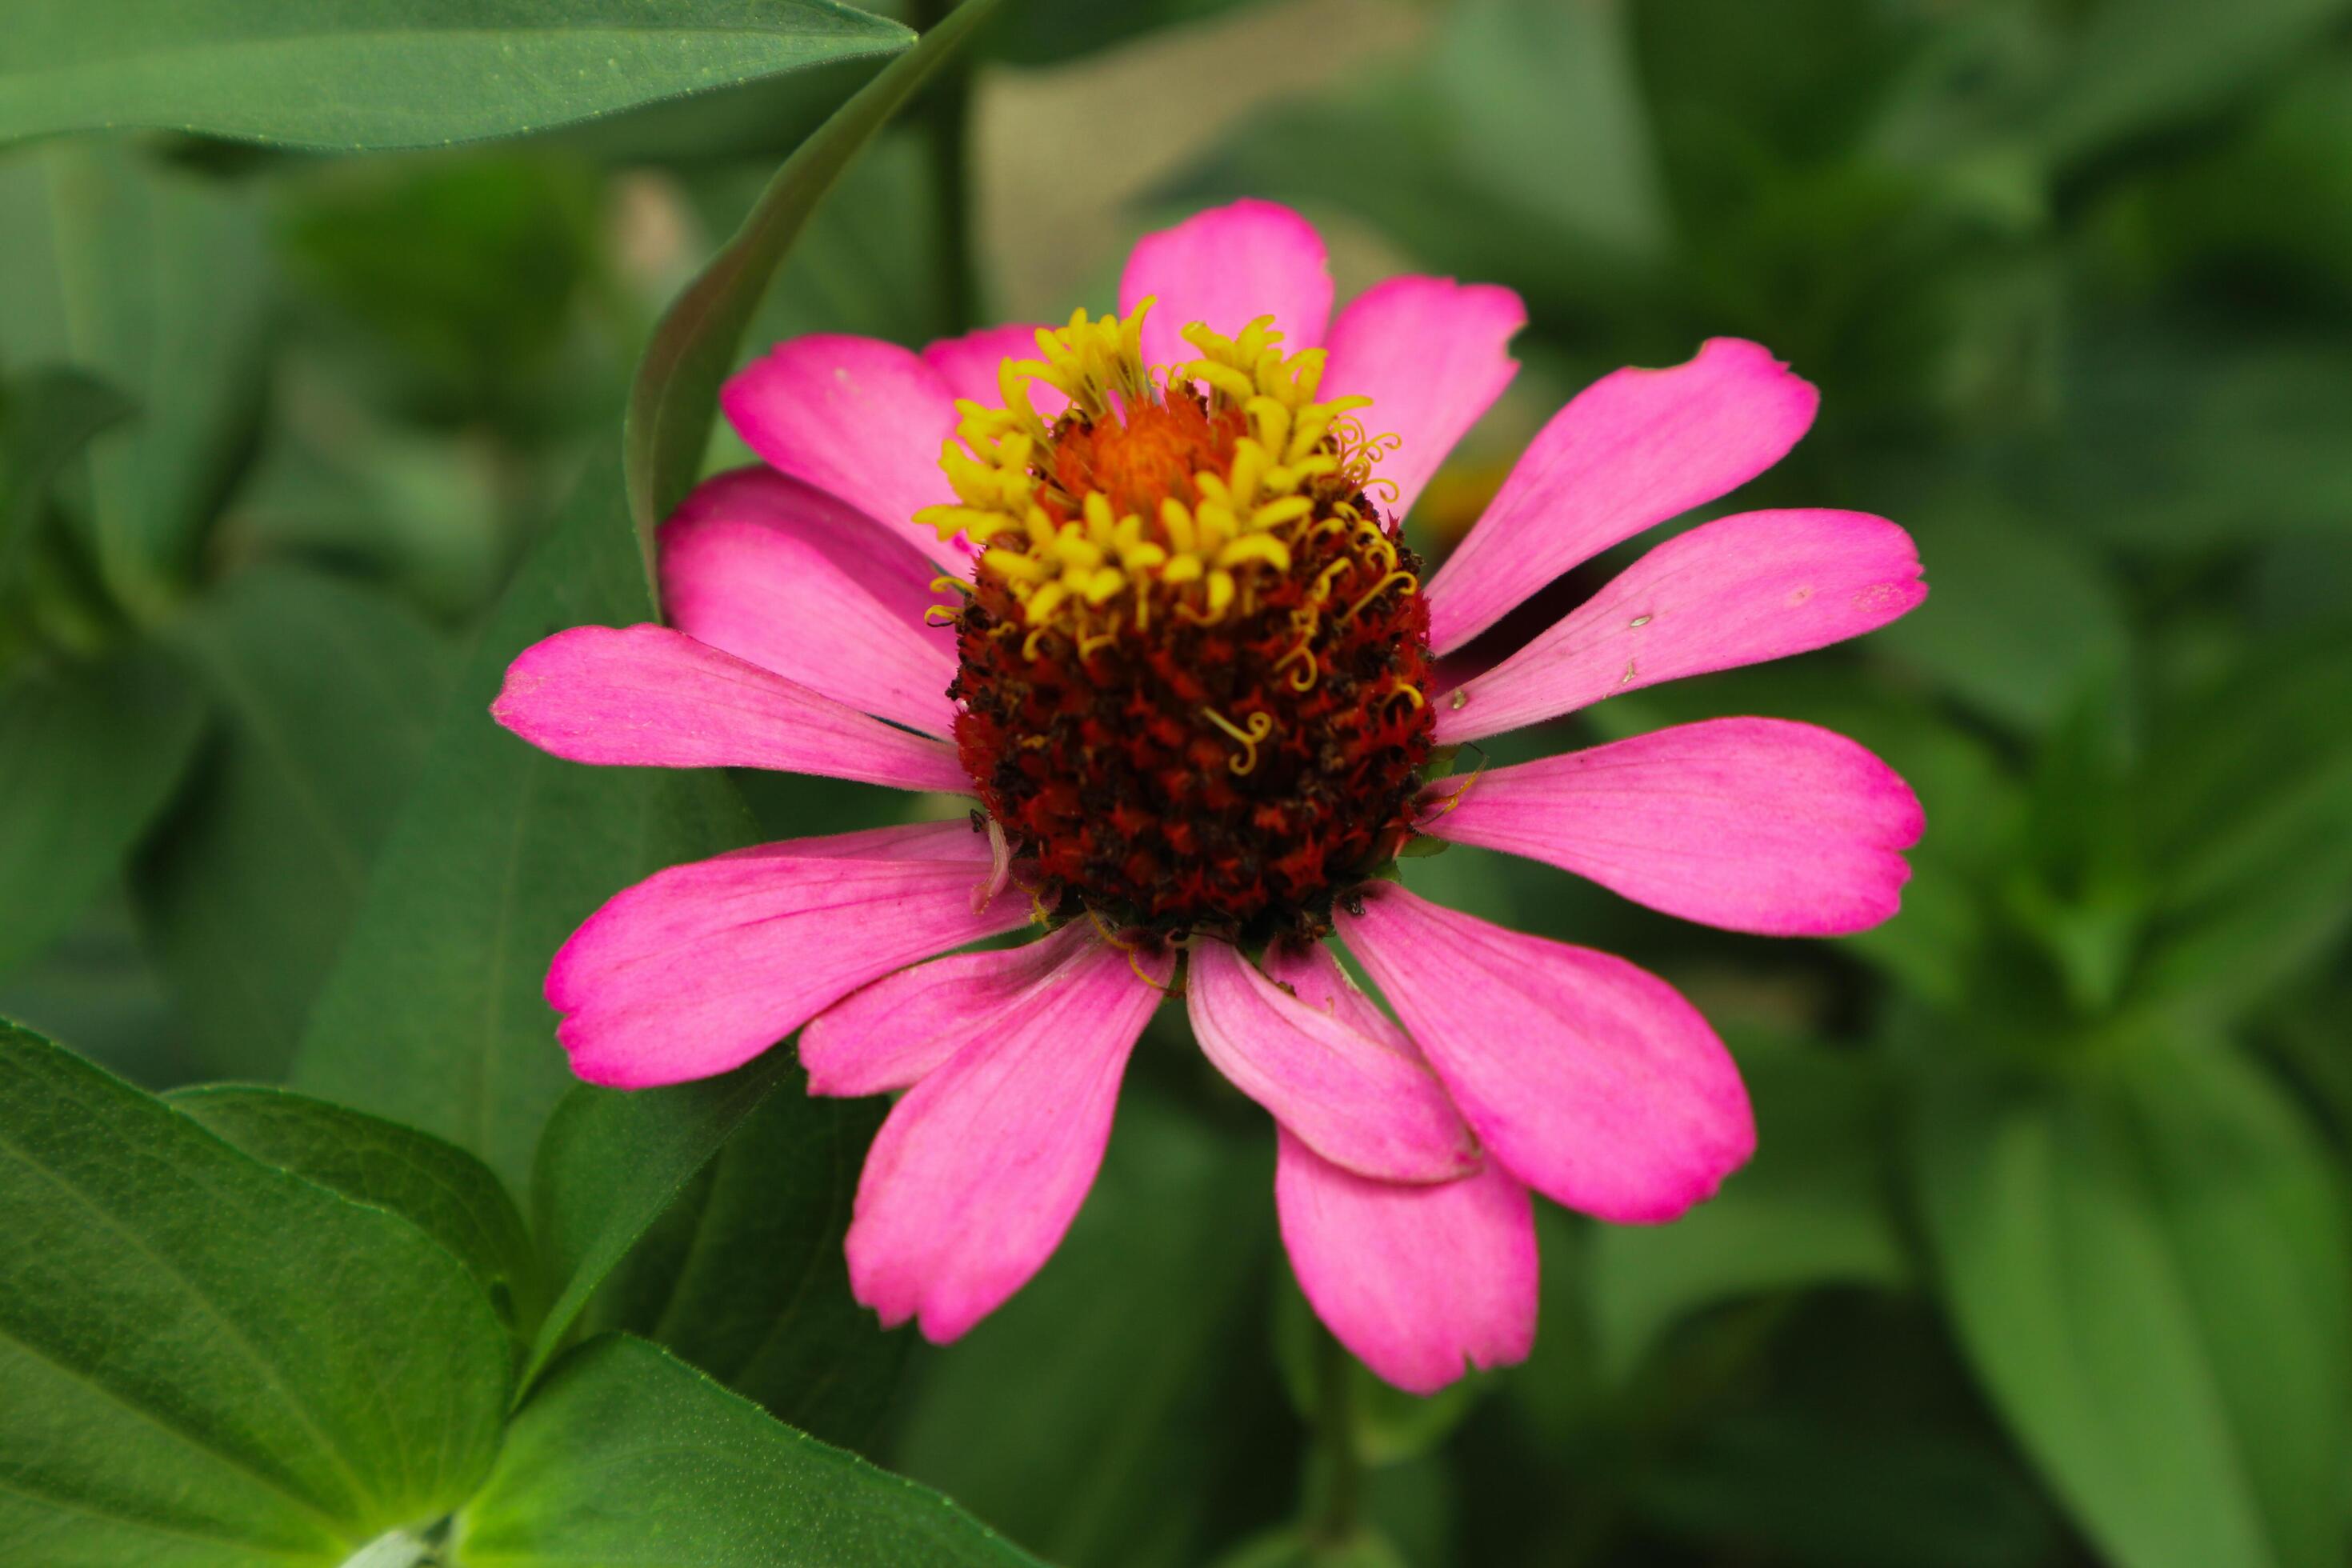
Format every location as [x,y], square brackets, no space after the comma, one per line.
[1136,586]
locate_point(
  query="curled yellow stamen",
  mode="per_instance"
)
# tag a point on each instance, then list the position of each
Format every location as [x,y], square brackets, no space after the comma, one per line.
[1261,725]
[1414,585]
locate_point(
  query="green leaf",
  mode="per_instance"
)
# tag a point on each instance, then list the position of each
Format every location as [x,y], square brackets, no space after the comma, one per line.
[2019,621]
[158,282]
[435,1186]
[362,75]
[89,754]
[1535,88]
[675,397]
[628,1457]
[2142,65]
[2149,1273]
[1841,1492]
[745,1278]
[612,1162]
[204,1360]
[328,693]
[1813,1208]
[1094,1416]
[47,417]
[97,985]
[434,1015]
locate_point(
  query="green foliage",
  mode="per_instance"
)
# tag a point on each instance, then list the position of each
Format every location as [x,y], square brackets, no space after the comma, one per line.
[206,1357]
[244,1326]
[153,281]
[625,1456]
[2150,1268]
[434,1015]
[47,417]
[89,754]
[356,75]
[1814,1208]
[439,1188]
[609,1163]
[326,693]
[744,1277]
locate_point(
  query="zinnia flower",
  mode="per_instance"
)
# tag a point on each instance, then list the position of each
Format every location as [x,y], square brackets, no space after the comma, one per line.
[1136,586]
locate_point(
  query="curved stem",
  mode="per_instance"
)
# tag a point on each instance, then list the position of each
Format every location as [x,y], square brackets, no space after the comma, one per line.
[1336,1473]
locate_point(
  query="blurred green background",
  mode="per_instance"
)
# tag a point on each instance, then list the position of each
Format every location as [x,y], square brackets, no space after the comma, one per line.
[2043,1259]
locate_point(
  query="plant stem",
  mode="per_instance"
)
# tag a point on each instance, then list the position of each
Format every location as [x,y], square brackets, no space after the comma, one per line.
[1335,1476]
[945,116]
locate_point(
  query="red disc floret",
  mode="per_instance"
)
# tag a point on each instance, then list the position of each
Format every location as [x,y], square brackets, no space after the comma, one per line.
[1121,794]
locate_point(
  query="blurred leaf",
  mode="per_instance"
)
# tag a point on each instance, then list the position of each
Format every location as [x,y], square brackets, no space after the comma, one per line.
[356,75]
[434,1013]
[675,396]
[1294,1547]
[466,272]
[437,1187]
[47,417]
[326,692]
[2253,839]
[421,513]
[611,1162]
[204,1360]
[2018,623]
[744,1277]
[1085,1417]
[2265,214]
[2142,65]
[2150,1274]
[1810,1209]
[1806,1490]
[1539,90]
[2185,440]
[1056,32]
[1388,1426]
[97,985]
[1515,148]
[89,756]
[1797,81]
[625,1456]
[157,282]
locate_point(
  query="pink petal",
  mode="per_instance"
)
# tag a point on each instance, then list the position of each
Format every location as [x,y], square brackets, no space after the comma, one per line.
[888,1035]
[1228,266]
[1632,449]
[651,697]
[1432,356]
[1739,590]
[1415,1280]
[758,564]
[1364,1251]
[979,1170]
[858,418]
[1353,1100]
[969,366]
[697,969]
[1757,824]
[1316,978]
[1590,1079]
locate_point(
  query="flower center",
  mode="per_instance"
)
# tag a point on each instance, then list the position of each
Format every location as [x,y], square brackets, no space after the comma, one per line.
[1192,651]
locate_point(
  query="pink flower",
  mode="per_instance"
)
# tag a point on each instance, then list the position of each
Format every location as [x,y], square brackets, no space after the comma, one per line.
[1150,608]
